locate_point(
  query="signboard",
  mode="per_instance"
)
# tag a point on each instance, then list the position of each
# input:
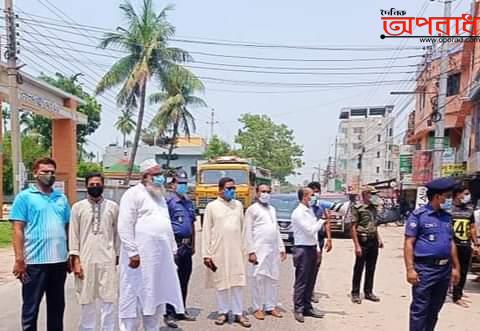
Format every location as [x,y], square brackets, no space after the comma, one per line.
[406,163]
[422,167]
[422,199]
[453,169]
[431,142]
[448,155]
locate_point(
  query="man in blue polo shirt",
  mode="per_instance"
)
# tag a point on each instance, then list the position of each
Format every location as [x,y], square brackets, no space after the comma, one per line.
[182,216]
[40,216]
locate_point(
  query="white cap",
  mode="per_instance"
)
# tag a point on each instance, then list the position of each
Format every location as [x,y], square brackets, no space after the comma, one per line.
[147,165]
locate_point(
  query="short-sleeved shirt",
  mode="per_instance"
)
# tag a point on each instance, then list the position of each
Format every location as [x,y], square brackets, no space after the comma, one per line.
[432,230]
[182,215]
[45,217]
[364,217]
[462,219]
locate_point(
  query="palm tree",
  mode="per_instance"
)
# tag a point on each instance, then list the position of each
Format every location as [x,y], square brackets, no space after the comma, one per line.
[145,39]
[125,124]
[179,86]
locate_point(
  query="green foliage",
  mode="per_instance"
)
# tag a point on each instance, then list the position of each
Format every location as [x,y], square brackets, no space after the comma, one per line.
[5,234]
[217,147]
[271,145]
[125,124]
[41,126]
[31,150]
[144,37]
[85,168]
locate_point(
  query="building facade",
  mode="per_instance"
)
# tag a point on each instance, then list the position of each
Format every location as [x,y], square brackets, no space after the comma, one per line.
[364,152]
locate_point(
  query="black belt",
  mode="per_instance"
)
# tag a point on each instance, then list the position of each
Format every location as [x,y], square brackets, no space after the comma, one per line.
[431,260]
[183,241]
[367,235]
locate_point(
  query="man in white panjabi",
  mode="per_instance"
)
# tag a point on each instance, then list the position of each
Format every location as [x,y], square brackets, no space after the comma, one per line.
[223,252]
[148,274]
[265,251]
[93,245]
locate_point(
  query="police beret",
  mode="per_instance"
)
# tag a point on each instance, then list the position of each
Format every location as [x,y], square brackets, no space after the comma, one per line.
[181,176]
[443,184]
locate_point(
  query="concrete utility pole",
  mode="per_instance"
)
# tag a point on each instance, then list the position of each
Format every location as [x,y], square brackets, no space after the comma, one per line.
[212,123]
[11,55]
[442,101]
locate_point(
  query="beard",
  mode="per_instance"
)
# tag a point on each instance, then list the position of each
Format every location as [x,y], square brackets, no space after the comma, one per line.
[156,192]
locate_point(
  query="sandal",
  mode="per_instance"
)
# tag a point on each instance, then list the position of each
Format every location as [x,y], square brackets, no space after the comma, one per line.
[221,319]
[243,321]
[462,303]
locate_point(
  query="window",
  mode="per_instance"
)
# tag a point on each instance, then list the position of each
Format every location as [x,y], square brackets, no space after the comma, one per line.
[358,130]
[378,155]
[389,165]
[453,84]
[213,176]
[378,170]
[356,146]
[193,171]
[344,131]
[390,132]
[379,138]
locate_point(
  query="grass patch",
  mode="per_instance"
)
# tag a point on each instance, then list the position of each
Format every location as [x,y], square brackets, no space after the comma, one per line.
[5,234]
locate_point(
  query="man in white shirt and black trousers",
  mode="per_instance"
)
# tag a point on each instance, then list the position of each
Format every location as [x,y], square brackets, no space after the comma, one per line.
[305,234]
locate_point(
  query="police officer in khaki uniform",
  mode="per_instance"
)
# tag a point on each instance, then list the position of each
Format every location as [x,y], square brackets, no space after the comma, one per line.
[367,242]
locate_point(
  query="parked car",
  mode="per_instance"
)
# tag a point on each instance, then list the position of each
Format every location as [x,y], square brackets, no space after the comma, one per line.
[285,204]
[339,223]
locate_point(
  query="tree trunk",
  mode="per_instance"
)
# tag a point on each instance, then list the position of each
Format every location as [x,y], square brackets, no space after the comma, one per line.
[124,140]
[138,130]
[173,143]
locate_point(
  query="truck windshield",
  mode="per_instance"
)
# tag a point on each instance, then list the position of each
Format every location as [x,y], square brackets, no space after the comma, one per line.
[213,176]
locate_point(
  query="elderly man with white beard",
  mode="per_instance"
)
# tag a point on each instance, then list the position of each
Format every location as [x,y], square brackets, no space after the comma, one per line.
[265,251]
[148,274]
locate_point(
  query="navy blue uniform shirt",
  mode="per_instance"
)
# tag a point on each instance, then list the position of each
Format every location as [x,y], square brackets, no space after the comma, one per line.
[432,230]
[182,215]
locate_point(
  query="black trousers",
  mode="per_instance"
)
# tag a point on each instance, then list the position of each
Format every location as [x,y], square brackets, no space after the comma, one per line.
[305,263]
[183,260]
[464,256]
[40,279]
[367,261]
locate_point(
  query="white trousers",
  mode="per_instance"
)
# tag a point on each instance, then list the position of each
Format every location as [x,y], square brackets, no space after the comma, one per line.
[264,292]
[88,318]
[150,323]
[230,299]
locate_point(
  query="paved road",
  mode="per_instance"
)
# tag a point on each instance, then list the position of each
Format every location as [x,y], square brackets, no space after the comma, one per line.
[391,314]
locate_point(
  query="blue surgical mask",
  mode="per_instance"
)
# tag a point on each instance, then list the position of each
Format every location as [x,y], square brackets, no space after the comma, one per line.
[313,200]
[447,205]
[182,188]
[229,194]
[158,180]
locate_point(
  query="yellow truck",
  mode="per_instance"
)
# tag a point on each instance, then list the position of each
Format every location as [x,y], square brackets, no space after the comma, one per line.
[245,174]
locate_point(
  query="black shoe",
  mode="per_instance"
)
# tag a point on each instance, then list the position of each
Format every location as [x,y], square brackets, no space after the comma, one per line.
[372,297]
[186,317]
[299,317]
[315,313]
[170,321]
[356,299]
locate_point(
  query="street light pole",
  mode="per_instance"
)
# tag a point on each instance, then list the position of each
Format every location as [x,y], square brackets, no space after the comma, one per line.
[13,96]
[442,101]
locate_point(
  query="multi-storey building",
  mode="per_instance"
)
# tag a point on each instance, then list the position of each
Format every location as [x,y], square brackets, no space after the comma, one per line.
[364,146]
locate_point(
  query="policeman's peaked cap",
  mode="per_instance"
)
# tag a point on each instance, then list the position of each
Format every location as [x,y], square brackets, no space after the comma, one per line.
[441,185]
[181,176]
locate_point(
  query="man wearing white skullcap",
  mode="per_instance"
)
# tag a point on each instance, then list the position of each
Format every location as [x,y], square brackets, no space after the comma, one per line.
[148,277]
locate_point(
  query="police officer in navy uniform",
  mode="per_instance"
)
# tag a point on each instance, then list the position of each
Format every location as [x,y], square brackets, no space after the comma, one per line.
[430,255]
[182,216]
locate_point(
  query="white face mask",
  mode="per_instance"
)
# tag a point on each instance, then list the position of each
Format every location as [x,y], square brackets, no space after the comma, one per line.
[374,200]
[467,198]
[264,198]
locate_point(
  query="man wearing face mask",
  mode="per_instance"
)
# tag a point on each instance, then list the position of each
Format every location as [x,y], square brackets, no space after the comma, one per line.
[366,240]
[305,236]
[94,249]
[223,252]
[182,216]
[148,274]
[465,233]
[430,255]
[40,216]
[265,251]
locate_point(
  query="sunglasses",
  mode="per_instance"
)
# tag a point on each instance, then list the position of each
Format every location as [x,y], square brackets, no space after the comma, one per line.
[265,191]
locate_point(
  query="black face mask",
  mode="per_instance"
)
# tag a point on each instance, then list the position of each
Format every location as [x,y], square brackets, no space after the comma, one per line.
[47,180]
[95,191]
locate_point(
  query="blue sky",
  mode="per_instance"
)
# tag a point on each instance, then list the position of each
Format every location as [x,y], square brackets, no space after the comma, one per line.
[313,115]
